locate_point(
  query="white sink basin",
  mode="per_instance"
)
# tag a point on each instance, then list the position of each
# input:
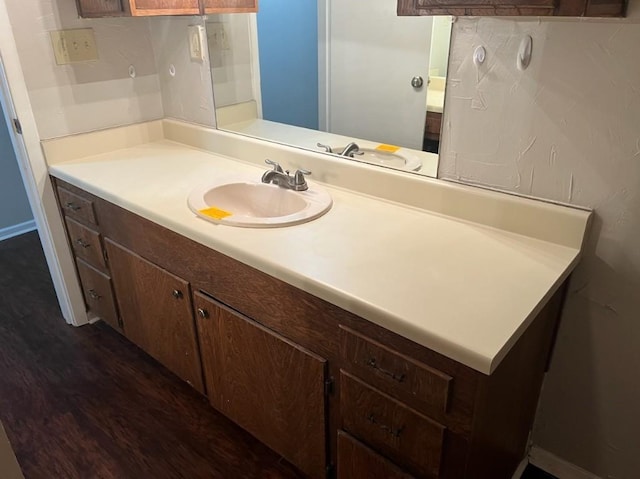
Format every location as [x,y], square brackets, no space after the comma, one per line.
[401,159]
[253,204]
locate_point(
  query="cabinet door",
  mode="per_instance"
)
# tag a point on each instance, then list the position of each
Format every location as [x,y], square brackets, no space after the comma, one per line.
[164,7]
[270,386]
[230,6]
[156,311]
[101,8]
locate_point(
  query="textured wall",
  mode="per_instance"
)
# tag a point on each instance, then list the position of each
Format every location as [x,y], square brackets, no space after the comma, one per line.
[14,205]
[81,97]
[567,129]
[188,94]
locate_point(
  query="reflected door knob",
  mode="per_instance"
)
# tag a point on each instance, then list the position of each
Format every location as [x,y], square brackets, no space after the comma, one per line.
[417,82]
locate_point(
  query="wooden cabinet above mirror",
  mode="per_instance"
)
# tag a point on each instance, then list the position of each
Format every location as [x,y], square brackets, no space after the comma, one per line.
[143,8]
[568,8]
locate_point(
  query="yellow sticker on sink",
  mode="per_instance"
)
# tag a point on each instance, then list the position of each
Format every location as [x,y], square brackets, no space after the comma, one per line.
[215,213]
[387,148]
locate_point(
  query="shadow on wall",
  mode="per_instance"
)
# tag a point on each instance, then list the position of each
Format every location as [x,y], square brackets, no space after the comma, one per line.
[14,204]
[593,372]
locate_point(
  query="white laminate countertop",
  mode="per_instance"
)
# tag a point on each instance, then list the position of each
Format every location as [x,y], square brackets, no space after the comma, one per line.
[465,290]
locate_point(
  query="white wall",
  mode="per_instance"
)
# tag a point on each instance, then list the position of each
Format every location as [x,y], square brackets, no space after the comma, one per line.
[188,94]
[231,63]
[567,129]
[14,205]
[440,39]
[81,97]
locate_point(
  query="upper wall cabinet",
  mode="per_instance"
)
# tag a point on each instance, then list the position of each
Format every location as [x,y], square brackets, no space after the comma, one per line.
[570,8]
[230,6]
[142,8]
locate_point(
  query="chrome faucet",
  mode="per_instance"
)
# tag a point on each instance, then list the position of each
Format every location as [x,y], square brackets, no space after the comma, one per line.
[283,179]
[348,151]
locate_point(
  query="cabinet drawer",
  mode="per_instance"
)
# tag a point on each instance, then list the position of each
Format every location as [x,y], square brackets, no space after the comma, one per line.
[77,207]
[404,435]
[86,243]
[357,461]
[413,382]
[98,293]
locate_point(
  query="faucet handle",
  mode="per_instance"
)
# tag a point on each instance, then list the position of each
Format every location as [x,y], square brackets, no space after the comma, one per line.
[299,182]
[327,148]
[275,164]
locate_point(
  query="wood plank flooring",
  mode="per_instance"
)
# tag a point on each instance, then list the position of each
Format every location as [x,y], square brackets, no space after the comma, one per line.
[85,403]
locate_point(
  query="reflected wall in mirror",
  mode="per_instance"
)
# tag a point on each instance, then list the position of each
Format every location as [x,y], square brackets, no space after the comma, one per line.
[323,74]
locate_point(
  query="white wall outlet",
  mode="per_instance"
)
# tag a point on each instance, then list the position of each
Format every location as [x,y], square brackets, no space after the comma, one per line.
[196,50]
[74,46]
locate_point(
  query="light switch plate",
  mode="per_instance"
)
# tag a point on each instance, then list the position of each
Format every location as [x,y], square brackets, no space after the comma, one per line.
[74,46]
[218,39]
[196,50]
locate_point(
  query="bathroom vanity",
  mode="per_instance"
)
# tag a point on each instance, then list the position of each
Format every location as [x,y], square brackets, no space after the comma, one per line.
[341,353]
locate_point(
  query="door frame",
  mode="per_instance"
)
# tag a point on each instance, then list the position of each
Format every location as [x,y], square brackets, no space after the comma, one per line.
[35,176]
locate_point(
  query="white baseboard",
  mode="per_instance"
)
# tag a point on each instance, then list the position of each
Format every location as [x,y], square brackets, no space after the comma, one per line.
[15,230]
[556,466]
[520,470]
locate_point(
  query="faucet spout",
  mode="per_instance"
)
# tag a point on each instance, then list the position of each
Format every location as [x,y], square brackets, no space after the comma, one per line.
[350,150]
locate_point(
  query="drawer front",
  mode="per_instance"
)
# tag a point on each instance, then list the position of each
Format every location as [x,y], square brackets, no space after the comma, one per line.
[77,207]
[357,461]
[419,385]
[98,294]
[407,437]
[86,243]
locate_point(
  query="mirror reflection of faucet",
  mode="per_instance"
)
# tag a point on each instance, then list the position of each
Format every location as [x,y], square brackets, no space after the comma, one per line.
[349,151]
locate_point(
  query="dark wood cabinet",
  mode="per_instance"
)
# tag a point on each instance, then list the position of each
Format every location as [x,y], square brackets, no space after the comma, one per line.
[316,383]
[357,461]
[102,8]
[573,8]
[144,8]
[155,307]
[164,7]
[270,386]
[98,294]
[230,6]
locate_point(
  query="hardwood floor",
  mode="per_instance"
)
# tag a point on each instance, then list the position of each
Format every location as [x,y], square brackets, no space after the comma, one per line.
[85,403]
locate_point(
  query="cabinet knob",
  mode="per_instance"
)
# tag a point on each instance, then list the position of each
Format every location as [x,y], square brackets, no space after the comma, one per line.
[82,243]
[203,313]
[93,294]
[177,294]
[72,206]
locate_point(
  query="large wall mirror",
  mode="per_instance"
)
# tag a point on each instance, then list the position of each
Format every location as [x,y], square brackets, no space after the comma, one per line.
[348,77]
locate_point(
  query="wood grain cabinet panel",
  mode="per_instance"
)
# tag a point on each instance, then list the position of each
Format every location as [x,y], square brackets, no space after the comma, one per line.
[102,8]
[98,294]
[394,373]
[230,6]
[575,8]
[270,386]
[76,207]
[155,307]
[86,243]
[357,461]
[390,427]
[164,7]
